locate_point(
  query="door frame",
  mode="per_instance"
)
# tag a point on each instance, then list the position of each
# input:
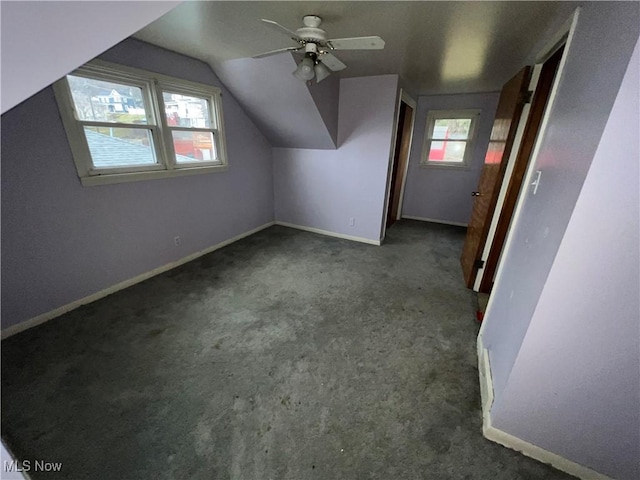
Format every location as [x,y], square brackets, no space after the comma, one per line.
[564,36]
[517,142]
[406,98]
[414,106]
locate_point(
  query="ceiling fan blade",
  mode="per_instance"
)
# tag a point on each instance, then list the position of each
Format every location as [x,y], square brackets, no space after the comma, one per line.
[281,29]
[275,52]
[332,62]
[356,43]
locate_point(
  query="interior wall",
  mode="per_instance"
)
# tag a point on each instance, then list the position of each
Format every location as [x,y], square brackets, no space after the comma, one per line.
[582,350]
[596,61]
[444,193]
[325,188]
[326,96]
[62,241]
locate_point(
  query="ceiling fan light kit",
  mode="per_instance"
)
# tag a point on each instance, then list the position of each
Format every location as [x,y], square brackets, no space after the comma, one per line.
[321,71]
[318,62]
[305,70]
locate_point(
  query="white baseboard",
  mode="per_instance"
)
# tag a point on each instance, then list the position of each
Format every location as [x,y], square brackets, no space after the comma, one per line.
[328,233]
[434,220]
[45,317]
[507,440]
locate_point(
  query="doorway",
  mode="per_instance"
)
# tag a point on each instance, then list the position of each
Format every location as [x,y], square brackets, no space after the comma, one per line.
[514,181]
[400,161]
[482,253]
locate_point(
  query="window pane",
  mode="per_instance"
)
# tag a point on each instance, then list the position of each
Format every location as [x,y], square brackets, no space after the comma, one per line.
[454,128]
[112,147]
[193,146]
[186,111]
[447,152]
[101,101]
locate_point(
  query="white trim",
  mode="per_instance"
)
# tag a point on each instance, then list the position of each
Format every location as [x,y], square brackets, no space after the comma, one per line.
[151,174]
[390,163]
[435,220]
[329,233]
[540,454]
[486,382]
[507,440]
[45,317]
[432,116]
[568,30]
[152,85]
[511,162]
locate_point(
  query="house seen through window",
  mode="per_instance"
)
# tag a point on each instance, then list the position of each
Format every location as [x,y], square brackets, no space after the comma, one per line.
[125,124]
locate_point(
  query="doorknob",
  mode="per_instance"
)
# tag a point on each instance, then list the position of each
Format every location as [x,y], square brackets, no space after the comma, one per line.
[476,194]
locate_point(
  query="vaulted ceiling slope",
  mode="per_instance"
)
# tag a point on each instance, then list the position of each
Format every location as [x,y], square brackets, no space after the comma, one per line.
[287,111]
[436,47]
[43,41]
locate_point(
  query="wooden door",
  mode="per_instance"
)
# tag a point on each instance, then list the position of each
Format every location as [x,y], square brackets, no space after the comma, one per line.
[538,106]
[401,157]
[512,100]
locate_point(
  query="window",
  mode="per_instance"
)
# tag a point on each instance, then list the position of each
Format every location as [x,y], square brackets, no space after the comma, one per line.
[125,124]
[448,139]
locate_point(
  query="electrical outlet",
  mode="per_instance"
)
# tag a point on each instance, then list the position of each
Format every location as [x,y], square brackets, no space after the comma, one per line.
[177,241]
[352,221]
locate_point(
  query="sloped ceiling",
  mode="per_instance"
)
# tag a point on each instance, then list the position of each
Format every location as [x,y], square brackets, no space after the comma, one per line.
[43,41]
[281,105]
[436,47]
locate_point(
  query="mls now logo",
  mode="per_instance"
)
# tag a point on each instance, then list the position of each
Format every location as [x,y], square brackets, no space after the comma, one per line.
[28,465]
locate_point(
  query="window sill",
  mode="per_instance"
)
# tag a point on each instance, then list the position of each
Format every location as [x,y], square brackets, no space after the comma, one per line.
[112,178]
[447,166]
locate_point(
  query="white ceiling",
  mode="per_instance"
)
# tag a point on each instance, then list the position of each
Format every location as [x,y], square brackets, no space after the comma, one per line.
[437,47]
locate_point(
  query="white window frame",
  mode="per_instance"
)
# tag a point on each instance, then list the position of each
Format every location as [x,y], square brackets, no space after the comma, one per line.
[432,116]
[152,85]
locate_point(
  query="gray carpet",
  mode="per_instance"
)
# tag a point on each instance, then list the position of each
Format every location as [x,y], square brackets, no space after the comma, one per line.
[287,355]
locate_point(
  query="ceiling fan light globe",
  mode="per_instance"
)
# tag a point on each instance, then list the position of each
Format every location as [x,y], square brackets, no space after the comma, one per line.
[321,72]
[305,70]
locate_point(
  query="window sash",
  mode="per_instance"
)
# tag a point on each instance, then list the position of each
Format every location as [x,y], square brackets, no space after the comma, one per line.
[152,86]
[95,170]
[145,85]
[189,92]
[194,163]
[446,162]
[429,138]
[214,119]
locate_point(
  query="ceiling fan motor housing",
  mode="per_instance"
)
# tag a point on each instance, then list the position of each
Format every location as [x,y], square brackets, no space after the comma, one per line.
[311,33]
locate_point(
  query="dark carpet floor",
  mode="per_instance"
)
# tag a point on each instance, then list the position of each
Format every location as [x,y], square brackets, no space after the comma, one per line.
[287,355]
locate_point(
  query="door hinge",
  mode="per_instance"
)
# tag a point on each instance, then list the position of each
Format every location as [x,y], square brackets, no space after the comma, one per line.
[527,96]
[478,264]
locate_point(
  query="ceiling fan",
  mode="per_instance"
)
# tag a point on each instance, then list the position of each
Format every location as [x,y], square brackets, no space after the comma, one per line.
[318,62]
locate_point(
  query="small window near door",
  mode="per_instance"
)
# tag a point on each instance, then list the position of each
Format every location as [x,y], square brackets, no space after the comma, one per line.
[449,136]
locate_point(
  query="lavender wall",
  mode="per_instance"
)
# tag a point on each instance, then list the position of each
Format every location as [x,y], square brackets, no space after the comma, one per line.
[323,188]
[62,241]
[36,39]
[326,96]
[582,350]
[282,107]
[441,193]
[596,62]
